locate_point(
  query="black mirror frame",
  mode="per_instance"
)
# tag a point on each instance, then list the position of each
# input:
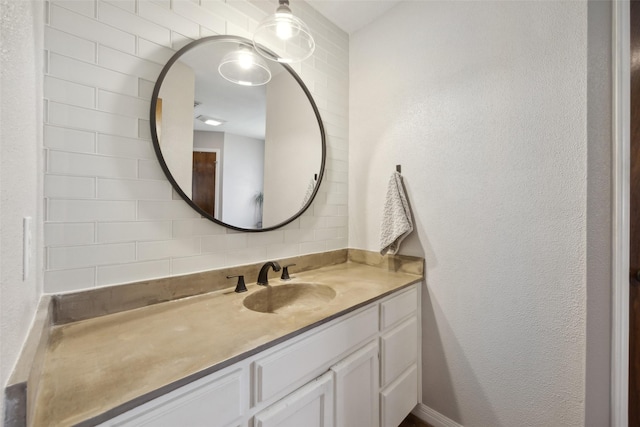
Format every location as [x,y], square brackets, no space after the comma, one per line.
[163,164]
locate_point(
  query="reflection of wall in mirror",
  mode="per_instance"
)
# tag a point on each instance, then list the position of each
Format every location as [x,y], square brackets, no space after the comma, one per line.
[176,127]
[209,141]
[293,149]
[242,180]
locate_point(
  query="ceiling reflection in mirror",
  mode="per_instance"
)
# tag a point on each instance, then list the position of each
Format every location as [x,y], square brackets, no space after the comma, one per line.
[249,157]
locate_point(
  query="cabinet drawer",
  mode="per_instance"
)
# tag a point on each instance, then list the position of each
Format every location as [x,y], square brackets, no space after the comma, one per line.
[287,369]
[399,349]
[213,401]
[398,307]
[311,405]
[397,400]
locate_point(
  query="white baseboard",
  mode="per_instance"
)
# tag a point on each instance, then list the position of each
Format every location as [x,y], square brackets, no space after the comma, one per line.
[433,417]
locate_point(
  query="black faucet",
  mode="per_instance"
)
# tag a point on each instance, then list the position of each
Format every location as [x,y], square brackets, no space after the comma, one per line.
[262,276]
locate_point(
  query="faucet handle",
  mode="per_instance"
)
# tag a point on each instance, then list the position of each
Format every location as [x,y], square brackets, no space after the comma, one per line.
[240,286]
[285,272]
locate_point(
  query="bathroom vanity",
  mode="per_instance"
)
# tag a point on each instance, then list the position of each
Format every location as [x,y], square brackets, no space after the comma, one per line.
[353,359]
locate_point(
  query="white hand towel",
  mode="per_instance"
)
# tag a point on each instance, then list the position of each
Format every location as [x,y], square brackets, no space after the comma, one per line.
[307,194]
[396,217]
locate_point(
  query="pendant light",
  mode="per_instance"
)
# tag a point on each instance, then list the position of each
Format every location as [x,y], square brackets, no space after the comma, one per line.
[244,67]
[286,36]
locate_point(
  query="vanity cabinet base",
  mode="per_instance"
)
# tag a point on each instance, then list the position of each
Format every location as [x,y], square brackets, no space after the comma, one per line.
[362,369]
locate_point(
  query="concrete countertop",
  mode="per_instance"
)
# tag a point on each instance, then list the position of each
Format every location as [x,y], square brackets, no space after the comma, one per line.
[97,368]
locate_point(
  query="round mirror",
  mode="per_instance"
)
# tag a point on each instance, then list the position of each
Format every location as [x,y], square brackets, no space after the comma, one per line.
[239,137]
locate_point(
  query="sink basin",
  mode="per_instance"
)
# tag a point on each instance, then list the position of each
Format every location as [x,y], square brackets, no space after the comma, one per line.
[289,298]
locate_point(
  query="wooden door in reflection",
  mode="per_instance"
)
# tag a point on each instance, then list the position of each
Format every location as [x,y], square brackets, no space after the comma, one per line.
[204,181]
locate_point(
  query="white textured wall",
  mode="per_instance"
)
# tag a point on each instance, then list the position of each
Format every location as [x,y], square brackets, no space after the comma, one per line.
[175,131]
[20,172]
[243,179]
[485,106]
[291,137]
[111,216]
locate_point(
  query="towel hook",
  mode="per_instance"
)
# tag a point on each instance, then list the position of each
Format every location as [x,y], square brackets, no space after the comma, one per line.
[399,168]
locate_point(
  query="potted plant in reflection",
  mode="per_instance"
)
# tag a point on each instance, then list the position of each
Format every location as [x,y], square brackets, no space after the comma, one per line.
[258,200]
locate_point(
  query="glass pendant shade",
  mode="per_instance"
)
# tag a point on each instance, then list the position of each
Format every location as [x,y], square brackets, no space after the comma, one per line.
[244,67]
[287,38]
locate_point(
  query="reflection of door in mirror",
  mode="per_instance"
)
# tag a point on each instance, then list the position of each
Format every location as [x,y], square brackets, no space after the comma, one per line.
[204,180]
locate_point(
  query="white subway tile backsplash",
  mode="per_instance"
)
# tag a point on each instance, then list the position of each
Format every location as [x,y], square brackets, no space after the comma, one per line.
[337,221]
[334,244]
[111,214]
[82,118]
[312,247]
[196,227]
[131,23]
[224,242]
[69,45]
[265,238]
[247,256]
[237,30]
[91,75]
[178,41]
[121,189]
[87,8]
[69,93]
[282,250]
[168,248]
[58,281]
[226,12]
[145,89]
[312,222]
[161,15]
[69,234]
[150,169]
[337,198]
[69,187]
[154,52]
[122,104]
[122,273]
[251,11]
[163,3]
[199,15]
[128,64]
[90,210]
[91,29]
[128,5]
[125,147]
[197,263]
[298,236]
[66,257]
[144,129]
[132,231]
[173,209]
[61,162]
[69,139]
[330,233]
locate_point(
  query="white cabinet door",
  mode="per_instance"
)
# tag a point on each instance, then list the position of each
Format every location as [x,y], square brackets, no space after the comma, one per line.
[356,386]
[309,406]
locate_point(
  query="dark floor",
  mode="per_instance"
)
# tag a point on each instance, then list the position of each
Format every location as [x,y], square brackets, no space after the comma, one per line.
[413,421]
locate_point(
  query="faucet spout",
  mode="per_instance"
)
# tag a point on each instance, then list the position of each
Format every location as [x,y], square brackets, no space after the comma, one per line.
[262,276]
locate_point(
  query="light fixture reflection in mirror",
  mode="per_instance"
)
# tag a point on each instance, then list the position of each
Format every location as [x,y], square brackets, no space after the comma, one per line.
[256,170]
[287,36]
[244,67]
